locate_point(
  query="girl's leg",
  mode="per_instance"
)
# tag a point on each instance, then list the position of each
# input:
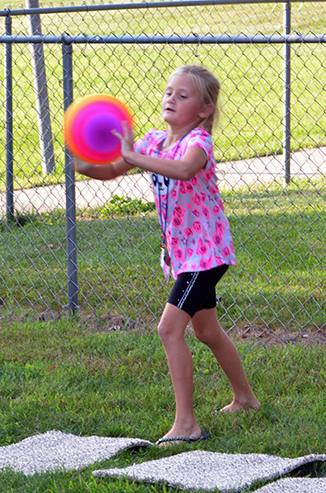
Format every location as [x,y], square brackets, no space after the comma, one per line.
[209,331]
[171,330]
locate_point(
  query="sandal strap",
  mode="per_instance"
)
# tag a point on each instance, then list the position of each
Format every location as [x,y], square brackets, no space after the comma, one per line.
[174,439]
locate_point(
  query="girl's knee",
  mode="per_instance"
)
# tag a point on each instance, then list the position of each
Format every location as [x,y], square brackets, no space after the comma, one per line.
[202,336]
[210,334]
[164,331]
[169,334]
[161,330]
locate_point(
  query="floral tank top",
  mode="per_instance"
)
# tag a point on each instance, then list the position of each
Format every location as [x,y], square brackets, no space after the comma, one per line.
[190,212]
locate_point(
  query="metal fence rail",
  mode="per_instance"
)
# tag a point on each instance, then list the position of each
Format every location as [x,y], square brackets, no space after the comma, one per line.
[269,148]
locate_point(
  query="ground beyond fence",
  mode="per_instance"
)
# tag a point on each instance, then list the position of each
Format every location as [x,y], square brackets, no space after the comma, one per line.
[269,146]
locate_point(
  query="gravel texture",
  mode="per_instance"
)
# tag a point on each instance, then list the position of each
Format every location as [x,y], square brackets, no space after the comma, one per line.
[295,485]
[193,470]
[56,450]
[210,470]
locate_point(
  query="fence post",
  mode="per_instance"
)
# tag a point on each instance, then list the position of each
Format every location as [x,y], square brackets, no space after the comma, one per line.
[287,96]
[9,124]
[71,227]
[41,92]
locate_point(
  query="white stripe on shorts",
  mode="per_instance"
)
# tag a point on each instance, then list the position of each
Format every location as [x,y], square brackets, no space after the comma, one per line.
[189,288]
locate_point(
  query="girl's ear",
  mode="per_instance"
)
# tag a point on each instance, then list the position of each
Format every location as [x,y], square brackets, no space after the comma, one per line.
[206,110]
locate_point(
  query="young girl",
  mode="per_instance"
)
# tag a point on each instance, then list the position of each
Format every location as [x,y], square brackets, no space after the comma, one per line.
[196,240]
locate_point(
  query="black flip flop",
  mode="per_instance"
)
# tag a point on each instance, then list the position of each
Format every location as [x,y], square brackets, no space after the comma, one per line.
[203,436]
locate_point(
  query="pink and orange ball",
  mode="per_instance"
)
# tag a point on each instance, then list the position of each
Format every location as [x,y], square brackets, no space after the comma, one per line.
[88,125]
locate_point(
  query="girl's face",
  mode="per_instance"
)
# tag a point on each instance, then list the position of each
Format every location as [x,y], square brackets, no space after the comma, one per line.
[182,105]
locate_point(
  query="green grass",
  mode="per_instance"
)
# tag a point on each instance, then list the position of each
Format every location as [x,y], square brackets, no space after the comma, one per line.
[69,377]
[279,237]
[251,78]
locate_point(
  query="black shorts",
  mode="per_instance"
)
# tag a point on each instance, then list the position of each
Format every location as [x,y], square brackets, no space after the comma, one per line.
[194,291]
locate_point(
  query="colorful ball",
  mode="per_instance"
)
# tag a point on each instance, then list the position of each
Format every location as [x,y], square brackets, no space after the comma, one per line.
[88,125]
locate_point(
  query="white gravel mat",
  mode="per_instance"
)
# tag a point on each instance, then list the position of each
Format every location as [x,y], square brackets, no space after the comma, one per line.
[56,450]
[210,470]
[295,485]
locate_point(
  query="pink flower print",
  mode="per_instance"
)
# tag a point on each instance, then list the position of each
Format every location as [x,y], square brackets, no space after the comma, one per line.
[196,199]
[186,187]
[189,206]
[183,269]
[206,212]
[179,211]
[221,205]
[190,252]
[213,190]
[178,254]
[202,248]
[182,187]
[196,212]
[225,251]
[231,247]
[164,197]
[206,264]
[174,194]
[177,221]
[174,241]
[157,203]
[207,176]
[187,232]
[197,226]
[203,196]
[218,260]
[216,210]
[194,181]
[219,228]
[209,243]
[218,239]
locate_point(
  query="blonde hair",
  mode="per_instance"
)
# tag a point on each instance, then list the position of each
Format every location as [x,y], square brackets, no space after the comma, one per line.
[208,87]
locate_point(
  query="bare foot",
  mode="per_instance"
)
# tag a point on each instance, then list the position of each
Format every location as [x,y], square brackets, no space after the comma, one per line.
[236,406]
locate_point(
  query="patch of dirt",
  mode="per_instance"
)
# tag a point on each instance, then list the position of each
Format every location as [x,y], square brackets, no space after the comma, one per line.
[266,336]
[111,322]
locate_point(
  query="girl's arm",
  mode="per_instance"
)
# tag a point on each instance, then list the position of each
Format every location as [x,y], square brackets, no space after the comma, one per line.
[194,159]
[101,172]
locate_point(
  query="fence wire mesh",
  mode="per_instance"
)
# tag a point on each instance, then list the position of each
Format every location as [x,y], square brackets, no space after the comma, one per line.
[279,231]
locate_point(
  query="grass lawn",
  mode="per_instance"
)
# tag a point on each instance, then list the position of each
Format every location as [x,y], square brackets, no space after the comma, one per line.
[69,377]
[81,378]
[78,377]
[279,237]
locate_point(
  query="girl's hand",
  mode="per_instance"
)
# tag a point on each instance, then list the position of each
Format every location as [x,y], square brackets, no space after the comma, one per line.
[102,172]
[127,141]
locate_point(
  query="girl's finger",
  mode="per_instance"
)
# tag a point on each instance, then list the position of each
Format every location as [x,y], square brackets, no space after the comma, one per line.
[128,130]
[117,134]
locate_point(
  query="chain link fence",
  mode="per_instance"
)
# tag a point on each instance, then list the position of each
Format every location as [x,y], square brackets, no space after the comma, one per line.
[269,146]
